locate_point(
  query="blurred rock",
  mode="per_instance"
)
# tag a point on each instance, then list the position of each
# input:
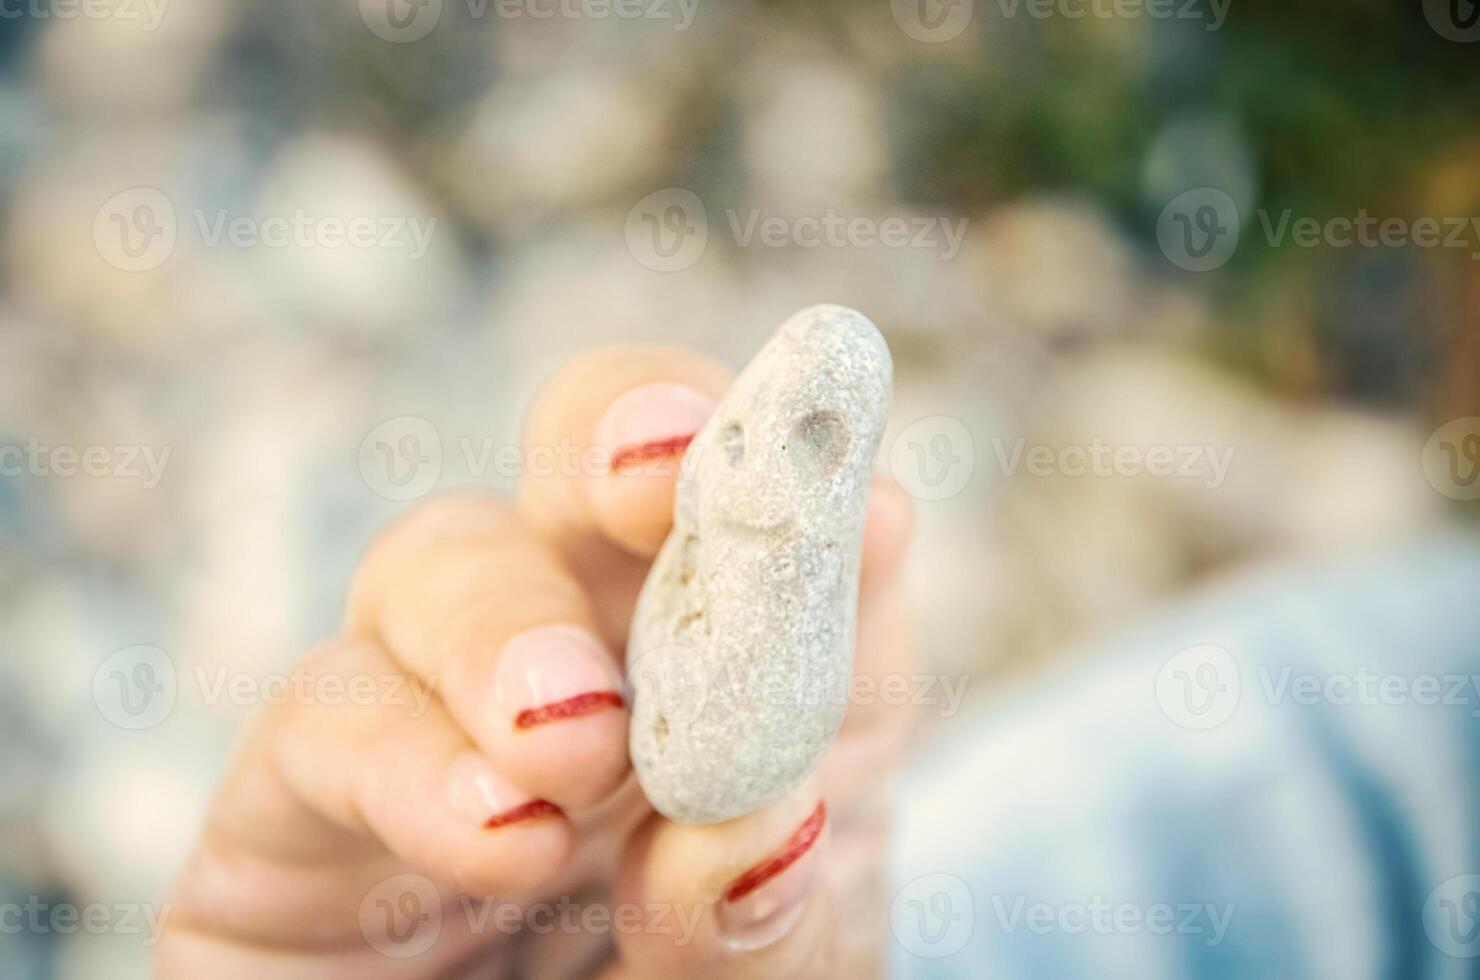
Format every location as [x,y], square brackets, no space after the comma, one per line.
[1055,269]
[160,47]
[386,281]
[529,148]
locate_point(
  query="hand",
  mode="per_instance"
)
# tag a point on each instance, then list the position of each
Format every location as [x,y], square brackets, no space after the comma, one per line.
[479,815]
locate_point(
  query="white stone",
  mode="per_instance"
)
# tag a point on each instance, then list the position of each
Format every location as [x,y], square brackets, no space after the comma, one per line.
[741,650]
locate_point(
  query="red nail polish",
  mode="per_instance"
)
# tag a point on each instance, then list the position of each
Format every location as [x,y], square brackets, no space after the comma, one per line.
[799,844]
[630,457]
[525,811]
[581,704]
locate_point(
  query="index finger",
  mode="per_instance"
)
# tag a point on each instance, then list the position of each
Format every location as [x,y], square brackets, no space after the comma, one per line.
[610,429]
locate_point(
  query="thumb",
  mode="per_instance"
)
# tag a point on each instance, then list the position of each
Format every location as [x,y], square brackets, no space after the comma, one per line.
[741,899]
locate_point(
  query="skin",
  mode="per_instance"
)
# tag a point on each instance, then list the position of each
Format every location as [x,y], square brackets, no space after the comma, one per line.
[325,802]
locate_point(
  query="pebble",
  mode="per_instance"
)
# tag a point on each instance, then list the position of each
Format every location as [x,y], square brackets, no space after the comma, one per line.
[741,649]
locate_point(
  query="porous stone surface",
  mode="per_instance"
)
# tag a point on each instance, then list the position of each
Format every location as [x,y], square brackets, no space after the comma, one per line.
[741,648]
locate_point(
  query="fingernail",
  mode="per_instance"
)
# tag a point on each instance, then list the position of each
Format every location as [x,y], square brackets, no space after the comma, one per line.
[478,792]
[651,423]
[762,904]
[551,673]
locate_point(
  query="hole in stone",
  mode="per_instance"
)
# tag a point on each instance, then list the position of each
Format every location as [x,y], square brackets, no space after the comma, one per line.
[734,442]
[822,439]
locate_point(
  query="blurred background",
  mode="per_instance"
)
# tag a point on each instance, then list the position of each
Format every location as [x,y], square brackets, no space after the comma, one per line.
[274,270]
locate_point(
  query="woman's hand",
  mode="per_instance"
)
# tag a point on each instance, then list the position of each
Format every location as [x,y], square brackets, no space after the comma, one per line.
[477,815]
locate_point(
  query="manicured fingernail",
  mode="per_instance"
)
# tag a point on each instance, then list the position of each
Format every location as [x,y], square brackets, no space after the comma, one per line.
[478,792]
[551,673]
[762,904]
[652,423]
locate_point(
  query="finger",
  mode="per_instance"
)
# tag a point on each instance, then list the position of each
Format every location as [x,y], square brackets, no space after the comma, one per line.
[466,597]
[637,407]
[361,761]
[889,524]
[737,899]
